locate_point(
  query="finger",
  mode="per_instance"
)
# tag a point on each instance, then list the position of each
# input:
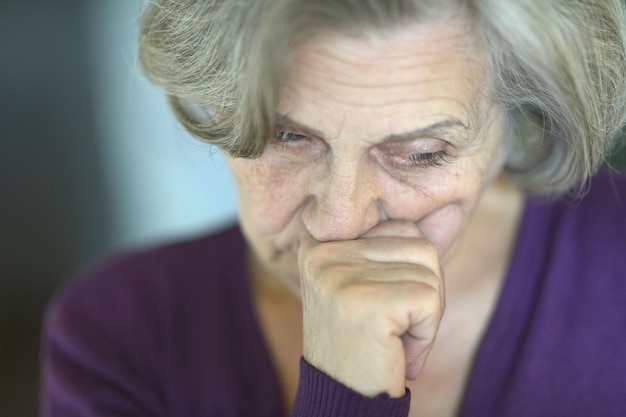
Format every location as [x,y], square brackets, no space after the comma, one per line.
[418,342]
[306,243]
[412,250]
[415,356]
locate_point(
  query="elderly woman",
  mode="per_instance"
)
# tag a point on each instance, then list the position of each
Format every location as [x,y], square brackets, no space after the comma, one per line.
[393,159]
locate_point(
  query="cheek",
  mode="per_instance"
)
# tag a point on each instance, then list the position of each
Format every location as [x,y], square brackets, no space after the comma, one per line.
[437,209]
[269,195]
[443,204]
[442,226]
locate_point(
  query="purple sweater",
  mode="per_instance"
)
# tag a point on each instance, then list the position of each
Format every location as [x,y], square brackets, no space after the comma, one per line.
[171,331]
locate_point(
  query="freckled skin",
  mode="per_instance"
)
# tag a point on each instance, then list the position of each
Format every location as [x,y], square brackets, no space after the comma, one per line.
[384,146]
[355,92]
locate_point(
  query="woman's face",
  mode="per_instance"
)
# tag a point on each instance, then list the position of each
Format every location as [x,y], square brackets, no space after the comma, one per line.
[393,127]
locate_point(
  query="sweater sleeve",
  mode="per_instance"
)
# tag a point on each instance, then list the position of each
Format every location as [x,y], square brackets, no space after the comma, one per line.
[321,396]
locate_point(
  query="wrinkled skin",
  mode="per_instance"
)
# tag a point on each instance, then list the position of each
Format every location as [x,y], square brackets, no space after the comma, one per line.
[384,147]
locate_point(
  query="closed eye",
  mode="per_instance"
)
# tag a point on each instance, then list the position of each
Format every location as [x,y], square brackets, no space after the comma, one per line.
[428,159]
[284,136]
[295,144]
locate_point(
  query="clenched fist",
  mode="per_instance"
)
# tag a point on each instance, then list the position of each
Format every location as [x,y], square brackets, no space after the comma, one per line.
[371,306]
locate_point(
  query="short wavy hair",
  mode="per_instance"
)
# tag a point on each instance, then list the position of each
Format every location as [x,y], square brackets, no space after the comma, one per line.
[557,68]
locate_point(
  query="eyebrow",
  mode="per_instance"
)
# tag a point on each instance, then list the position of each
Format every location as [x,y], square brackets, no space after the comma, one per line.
[283,120]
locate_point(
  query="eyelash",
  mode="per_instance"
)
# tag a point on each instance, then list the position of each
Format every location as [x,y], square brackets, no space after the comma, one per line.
[428,159]
[282,137]
[419,160]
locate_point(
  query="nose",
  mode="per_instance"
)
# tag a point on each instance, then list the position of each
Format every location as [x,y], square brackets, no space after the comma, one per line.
[344,203]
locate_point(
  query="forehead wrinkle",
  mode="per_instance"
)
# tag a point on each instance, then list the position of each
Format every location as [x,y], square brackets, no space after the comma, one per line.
[466,114]
[381,75]
[321,79]
[409,39]
[323,56]
[374,64]
[316,80]
[428,47]
[468,119]
[393,83]
[315,84]
[333,97]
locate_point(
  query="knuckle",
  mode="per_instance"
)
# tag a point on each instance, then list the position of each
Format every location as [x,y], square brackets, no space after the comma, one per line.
[427,276]
[313,259]
[429,297]
[332,278]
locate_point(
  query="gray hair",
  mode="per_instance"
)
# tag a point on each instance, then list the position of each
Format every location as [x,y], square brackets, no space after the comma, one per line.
[557,68]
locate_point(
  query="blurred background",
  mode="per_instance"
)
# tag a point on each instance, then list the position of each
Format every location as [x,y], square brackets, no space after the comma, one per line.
[91,161]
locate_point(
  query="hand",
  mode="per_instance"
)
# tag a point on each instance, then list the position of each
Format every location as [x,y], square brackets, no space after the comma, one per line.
[371,306]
